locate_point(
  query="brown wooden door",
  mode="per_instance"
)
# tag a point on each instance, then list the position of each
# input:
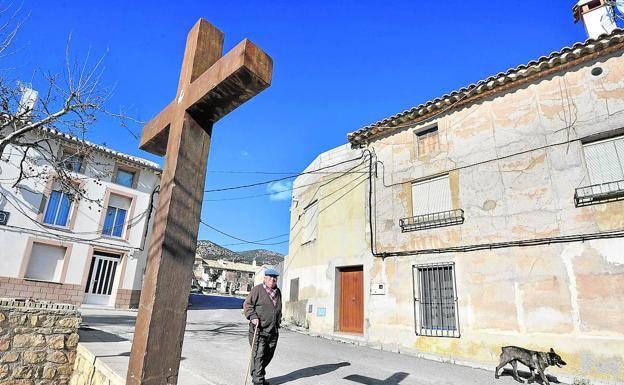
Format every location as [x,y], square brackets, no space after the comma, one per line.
[351,300]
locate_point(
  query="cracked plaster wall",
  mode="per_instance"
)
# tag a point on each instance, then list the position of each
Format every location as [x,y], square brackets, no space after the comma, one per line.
[565,296]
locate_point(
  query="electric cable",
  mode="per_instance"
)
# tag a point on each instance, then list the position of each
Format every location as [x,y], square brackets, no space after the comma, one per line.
[350,171]
[283,178]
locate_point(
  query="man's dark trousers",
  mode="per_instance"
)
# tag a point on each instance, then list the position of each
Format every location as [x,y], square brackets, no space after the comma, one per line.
[263,351]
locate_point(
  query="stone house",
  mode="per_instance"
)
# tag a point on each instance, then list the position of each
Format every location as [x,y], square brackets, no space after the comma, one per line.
[225,277]
[77,252]
[487,217]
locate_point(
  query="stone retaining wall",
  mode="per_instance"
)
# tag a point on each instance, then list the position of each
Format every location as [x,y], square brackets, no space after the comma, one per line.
[37,342]
[89,370]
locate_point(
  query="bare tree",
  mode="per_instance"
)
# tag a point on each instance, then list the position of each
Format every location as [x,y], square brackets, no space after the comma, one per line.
[32,121]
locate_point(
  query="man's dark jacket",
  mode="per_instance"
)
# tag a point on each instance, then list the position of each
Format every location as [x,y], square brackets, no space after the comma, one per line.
[258,304]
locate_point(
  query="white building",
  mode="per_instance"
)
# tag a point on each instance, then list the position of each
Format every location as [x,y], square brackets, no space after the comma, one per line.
[225,276]
[79,252]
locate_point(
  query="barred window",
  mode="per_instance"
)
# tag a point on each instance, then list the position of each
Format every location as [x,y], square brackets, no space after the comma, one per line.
[435,300]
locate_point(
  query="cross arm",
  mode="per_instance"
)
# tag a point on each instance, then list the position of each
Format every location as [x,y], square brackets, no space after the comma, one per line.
[156,132]
[235,78]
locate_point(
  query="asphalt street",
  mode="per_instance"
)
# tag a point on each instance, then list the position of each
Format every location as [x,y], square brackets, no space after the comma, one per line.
[216,351]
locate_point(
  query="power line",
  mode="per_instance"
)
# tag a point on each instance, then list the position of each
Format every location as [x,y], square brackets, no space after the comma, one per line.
[342,173]
[46,231]
[257,240]
[265,172]
[241,239]
[284,178]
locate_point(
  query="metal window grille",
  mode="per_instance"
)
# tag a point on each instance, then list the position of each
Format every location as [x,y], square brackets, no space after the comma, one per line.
[294,290]
[599,193]
[433,220]
[435,300]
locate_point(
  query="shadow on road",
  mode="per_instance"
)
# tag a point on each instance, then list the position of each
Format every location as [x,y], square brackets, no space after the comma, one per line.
[202,302]
[105,319]
[526,375]
[311,371]
[394,379]
[221,328]
[88,334]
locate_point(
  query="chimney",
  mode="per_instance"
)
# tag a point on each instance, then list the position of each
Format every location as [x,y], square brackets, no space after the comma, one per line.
[27,102]
[597,16]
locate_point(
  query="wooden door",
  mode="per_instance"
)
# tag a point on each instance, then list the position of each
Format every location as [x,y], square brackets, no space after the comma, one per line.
[351,300]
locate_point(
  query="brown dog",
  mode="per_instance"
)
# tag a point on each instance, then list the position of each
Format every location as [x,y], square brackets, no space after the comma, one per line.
[534,360]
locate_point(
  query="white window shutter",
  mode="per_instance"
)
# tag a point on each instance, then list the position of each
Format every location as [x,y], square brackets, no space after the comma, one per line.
[46,262]
[120,202]
[431,196]
[439,195]
[420,198]
[619,147]
[602,162]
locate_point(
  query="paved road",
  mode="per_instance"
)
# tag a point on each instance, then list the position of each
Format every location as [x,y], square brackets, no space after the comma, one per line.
[216,352]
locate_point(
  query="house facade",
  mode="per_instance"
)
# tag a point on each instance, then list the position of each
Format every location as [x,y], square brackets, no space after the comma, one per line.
[225,277]
[490,216]
[89,251]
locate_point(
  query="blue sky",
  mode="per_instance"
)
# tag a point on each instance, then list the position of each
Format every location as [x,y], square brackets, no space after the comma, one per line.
[338,66]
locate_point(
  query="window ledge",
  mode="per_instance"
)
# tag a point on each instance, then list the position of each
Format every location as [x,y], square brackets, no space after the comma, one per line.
[599,193]
[114,238]
[42,281]
[441,332]
[308,242]
[64,229]
[433,220]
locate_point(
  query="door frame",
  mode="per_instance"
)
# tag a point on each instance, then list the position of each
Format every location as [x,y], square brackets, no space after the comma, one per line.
[337,297]
[117,278]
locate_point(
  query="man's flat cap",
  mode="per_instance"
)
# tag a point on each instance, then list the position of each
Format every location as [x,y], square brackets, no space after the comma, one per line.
[272,272]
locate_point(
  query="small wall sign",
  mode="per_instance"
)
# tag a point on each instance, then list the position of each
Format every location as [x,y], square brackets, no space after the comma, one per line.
[4,217]
[320,311]
[378,288]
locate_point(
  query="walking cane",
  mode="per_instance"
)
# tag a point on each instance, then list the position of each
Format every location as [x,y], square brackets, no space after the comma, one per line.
[253,342]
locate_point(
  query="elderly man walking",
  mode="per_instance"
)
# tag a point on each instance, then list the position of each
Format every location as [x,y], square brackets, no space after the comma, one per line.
[263,308]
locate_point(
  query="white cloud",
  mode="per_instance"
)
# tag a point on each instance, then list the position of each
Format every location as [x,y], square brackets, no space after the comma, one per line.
[244,153]
[280,190]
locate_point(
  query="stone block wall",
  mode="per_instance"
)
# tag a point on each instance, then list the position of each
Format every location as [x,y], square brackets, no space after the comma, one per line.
[38,290]
[37,342]
[90,370]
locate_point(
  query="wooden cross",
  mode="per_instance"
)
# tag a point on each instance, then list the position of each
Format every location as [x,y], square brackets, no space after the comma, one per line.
[210,86]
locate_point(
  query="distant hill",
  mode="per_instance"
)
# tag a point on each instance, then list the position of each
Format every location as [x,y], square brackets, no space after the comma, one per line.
[262,256]
[212,251]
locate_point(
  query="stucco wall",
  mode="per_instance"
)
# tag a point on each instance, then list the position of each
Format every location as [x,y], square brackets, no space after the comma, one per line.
[26,202]
[514,161]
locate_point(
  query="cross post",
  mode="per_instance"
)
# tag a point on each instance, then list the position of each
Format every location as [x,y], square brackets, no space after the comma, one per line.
[210,86]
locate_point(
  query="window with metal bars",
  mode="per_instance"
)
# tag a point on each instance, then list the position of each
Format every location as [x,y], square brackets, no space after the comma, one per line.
[435,300]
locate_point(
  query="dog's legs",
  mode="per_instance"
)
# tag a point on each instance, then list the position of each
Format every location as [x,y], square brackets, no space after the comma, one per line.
[532,378]
[543,375]
[515,370]
[503,362]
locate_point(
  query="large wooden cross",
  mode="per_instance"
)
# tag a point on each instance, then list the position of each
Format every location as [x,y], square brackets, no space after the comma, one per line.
[210,86]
